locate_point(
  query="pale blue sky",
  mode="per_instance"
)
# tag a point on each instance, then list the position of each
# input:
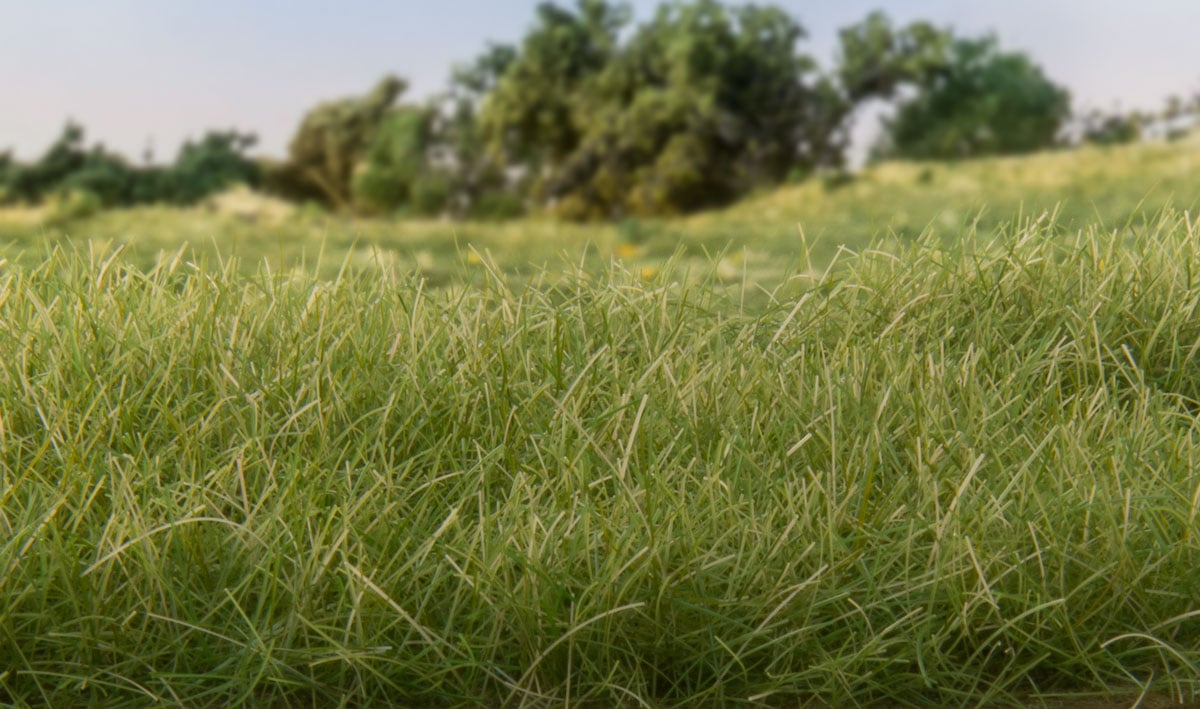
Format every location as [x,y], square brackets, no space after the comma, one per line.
[139,71]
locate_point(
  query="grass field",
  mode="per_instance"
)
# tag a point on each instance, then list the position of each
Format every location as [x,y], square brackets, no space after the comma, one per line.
[947,472]
[760,240]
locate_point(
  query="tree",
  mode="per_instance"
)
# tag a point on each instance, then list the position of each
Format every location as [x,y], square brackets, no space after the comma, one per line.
[106,176]
[1115,128]
[70,166]
[981,101]
[203,168]
[394,161]
[65,156]
[334,137]
[476,180]
[7,170]
[698,106]
[875,59]
[530,115]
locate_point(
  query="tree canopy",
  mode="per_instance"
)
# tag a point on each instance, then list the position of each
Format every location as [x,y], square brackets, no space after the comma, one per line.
[699,105]
[977,100]
[334,137]
[200,169]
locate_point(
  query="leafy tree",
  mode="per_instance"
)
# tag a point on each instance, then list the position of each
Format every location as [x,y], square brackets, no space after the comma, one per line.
[876,59]
[473,180]
[394,161]
[1111,128]
[701,104]
[333,139]
[107,176]
[982,101]
[530,115]
[7,170]
[69,166]
[203,168]
[65,156]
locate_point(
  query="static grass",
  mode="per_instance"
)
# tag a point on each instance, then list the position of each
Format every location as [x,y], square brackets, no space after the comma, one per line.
[927,477]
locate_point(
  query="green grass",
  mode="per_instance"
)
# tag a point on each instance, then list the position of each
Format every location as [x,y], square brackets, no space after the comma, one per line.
[931,477]
[759,240]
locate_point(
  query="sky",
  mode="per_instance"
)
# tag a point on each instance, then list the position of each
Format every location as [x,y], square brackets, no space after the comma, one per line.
[144,74]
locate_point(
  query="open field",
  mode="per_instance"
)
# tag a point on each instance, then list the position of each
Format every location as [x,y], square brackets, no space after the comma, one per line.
[760,240]
[315,462]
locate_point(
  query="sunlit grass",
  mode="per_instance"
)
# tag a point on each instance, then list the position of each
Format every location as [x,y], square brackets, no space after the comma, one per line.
[932,476]
[767,234]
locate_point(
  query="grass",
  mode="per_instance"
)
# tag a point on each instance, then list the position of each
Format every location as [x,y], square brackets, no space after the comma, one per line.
[929,476]
[759,240]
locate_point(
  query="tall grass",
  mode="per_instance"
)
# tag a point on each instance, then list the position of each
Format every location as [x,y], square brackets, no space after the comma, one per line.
[927,477]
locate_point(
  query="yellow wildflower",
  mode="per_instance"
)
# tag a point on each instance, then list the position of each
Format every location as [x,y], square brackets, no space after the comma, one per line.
[627,251]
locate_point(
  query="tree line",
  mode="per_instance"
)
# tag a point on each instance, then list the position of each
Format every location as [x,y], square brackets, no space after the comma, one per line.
[590,116]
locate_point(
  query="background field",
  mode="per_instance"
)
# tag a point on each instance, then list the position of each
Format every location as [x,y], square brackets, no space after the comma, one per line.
[759,240]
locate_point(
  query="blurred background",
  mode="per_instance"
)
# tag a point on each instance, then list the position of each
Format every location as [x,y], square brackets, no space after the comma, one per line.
[854,119]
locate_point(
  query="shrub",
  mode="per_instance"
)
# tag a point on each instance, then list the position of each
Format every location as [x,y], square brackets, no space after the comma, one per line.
[497,206]
[333,139]
[209,166]
[430,194]
[71,205]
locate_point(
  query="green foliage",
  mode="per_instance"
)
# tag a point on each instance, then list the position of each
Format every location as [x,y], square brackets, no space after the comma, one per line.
[72,204]
[217,161]
[333,139]
[394,161]
[876,59]
[431,193]
[7,170]
[1112,128]
[496,205]
[474,174]
[107,177]
[981,102]
[698,106]
[65,156]
[68,166]
[530,116]
[284,179]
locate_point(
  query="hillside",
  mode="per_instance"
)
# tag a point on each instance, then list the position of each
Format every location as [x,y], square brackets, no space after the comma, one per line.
[760,238]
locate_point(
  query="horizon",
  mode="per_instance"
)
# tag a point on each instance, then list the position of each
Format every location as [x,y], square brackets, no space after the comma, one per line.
[139,75]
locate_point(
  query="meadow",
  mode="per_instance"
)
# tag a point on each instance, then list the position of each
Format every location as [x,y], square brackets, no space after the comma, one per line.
[760,240]
[926,438]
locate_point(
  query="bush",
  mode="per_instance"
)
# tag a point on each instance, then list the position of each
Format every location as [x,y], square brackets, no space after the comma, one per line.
[72,204]
[430,194]
[1112,129]
[497,206]
[378,190]
[982,102]
[205,168]
[201,169]
[334,138]
[283,179]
